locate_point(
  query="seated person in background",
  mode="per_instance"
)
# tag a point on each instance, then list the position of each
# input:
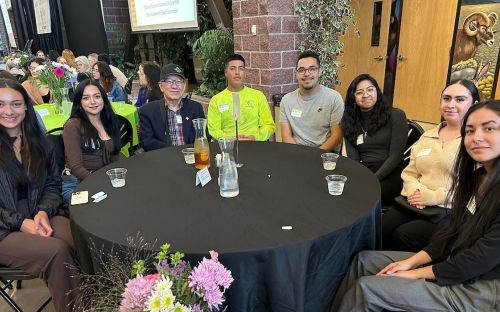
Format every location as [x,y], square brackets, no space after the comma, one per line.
[120,76]
[149,79]
[91,135]
[255,120]
[93,58]
[33,237]
[40,54]
[61,60]
[460,269]
[311,114]
[102,73]
[69,56]
[53,55]
[37,92]
[168,122]
[427,178]
[83,68]
[375,134]
[13,61]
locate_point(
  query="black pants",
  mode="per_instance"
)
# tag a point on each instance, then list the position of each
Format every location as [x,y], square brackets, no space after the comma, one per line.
[391,187]
[406,231]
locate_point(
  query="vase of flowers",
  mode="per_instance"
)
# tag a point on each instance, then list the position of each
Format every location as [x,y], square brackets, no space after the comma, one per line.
[175,286]
[56,76]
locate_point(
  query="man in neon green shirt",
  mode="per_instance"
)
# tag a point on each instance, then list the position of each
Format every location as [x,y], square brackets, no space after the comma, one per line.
[255,122]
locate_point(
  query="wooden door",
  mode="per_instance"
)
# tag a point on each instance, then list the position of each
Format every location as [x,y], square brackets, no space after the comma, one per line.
[359,54]
[423,57]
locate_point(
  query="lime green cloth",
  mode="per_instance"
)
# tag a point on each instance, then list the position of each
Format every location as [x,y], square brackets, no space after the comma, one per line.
[255,116]
[51,120]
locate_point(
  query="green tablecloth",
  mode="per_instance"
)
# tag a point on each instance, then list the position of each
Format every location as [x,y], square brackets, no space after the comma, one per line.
[51,120]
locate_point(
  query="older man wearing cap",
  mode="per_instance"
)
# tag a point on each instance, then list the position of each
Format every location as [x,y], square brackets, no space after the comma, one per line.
[168,122]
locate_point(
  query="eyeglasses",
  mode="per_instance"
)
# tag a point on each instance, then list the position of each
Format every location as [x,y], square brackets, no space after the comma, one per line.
[310,70]
[32,68]
[95,70]
[178,83]
[369,90]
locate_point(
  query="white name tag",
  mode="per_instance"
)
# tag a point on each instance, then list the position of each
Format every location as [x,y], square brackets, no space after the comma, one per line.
[296,112]
[203,177]
[79,198]
[43,112]
[178,118]
[424,152]
[360,140]
[223,108]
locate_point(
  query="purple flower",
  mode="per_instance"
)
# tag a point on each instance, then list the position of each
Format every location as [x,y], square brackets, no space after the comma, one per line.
[137,292]
[196,308]
[207,278]
[213,297]
[178,269]
[59,72]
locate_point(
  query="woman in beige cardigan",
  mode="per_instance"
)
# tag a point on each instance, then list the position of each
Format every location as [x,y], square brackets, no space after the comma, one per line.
[37,92]
[427,178]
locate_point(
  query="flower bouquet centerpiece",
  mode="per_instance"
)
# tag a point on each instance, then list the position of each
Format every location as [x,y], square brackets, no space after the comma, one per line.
[56,77]
[175,286]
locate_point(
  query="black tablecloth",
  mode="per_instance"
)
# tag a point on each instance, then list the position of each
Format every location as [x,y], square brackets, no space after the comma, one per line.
[280,185]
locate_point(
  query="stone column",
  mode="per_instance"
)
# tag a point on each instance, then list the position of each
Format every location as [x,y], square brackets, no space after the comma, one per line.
[272,49]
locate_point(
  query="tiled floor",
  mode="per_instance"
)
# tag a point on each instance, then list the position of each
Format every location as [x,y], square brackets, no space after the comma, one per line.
[30,297]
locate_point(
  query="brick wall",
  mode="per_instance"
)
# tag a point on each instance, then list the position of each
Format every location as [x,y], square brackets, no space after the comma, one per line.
[116,23]
[271,53]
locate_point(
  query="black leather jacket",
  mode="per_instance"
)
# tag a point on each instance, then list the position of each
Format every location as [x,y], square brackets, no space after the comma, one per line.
[46,198]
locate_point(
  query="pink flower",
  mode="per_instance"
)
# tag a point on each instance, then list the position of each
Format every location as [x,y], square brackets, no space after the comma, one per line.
[59,72]
[214,255]
[208,278]
[137,292]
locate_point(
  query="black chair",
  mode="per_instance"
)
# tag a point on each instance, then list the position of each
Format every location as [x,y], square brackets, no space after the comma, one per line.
[55,137]
[8,276]
[128,85]
[414,133]
[126,135]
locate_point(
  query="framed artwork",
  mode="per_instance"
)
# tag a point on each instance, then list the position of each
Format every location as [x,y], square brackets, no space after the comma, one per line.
[477,45]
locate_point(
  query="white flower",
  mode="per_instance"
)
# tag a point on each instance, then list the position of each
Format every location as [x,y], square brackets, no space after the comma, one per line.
[181,308]
[160,302]
[163,284]
[55,64]
[40,68]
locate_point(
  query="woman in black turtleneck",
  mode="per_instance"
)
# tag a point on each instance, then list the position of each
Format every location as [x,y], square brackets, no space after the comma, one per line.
[375,134]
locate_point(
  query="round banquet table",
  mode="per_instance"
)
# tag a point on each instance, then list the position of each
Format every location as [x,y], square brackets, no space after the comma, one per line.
[280,185]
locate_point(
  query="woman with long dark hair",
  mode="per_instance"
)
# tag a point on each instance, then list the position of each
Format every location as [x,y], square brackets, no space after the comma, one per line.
[149,78]
[375,134]
[33,237]
[91,135]
[37,92]
[102,73]
[427,178]
[460,269]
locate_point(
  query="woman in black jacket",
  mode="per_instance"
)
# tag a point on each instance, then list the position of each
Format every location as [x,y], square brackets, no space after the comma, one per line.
[460,269]
[33,237]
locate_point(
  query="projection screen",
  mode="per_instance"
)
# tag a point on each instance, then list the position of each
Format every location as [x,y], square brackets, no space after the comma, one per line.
[162,15]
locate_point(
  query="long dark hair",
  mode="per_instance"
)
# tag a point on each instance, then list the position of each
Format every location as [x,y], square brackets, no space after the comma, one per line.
[351,120]
[109,120]
[152,73]
[34,146]
[37,60]
[106,77]
[460,234]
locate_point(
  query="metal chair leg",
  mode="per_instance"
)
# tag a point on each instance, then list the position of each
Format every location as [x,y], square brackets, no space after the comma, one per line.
[44,305]
[19,284]
[9,301]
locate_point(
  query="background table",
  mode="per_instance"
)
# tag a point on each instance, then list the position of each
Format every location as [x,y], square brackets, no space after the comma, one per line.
[51,120]
[280,184]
